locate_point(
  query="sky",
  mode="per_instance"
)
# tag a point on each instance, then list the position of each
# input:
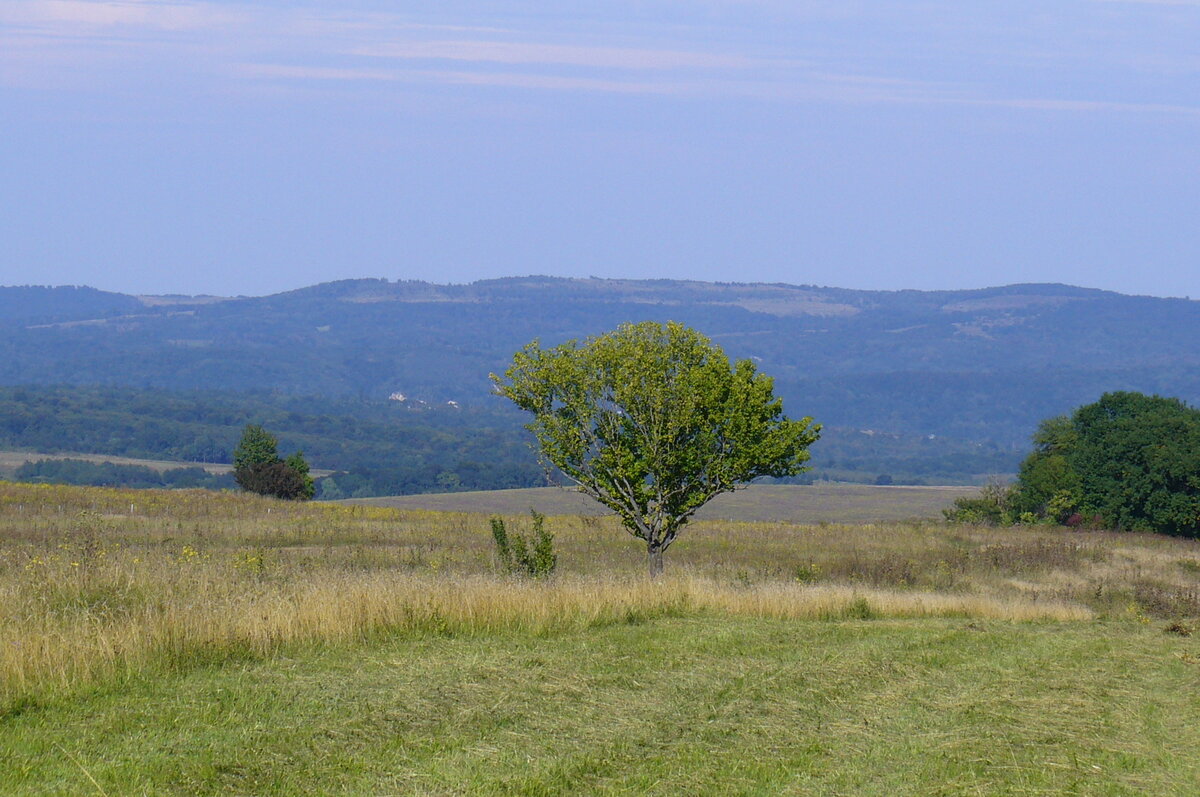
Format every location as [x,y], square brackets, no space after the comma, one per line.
[236,148]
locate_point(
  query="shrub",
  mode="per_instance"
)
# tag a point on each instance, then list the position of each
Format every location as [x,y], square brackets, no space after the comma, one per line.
[257,467]
[992,507]
[534,557]
[277,479]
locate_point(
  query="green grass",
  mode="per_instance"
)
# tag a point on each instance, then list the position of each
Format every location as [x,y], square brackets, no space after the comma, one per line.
[679,705]
[817,503]
[187,642]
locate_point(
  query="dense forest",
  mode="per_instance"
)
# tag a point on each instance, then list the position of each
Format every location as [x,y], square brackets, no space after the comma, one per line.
[384,448]
[374,451]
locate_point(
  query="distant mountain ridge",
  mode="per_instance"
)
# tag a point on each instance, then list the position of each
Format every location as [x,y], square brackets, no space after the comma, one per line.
[982,364]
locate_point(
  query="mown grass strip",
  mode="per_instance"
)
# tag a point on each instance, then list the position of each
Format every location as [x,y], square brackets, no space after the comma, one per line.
[694,704]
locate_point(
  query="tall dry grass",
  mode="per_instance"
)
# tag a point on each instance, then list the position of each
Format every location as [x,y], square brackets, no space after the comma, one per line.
[97,584]
[69,629]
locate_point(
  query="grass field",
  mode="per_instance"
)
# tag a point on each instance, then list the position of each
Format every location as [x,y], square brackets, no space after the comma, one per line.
[673,705]
[196,643]
[11,460]
[817,503]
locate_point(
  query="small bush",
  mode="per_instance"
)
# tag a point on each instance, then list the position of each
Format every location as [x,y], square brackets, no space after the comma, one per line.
[278,479]
[992,507]
[860,609]
[534,557]
[808,573]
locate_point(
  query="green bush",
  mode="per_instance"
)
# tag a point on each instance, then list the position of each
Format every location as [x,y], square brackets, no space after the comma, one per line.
[1128,461]
[257,467]
[992,507]
[534,557]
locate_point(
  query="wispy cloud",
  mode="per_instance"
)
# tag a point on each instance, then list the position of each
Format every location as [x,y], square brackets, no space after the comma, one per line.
[292,72]
[570,55]
[510,80]
[1087,106]
[75,15]
[558,83]
[868,56]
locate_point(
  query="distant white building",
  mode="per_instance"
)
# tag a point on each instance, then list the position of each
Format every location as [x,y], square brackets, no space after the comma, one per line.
[397,396]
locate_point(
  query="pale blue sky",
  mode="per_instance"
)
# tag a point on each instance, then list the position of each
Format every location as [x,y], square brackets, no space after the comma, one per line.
[242,148]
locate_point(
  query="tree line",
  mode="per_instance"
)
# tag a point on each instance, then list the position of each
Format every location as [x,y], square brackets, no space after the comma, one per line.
[389,448]
[109,474]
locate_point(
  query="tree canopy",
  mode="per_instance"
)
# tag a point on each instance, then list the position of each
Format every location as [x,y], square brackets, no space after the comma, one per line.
[1138,462]
[1127,461]
[653,421]
[258,468]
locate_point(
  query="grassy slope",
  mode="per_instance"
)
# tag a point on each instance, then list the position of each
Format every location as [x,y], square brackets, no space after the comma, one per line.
[817,503]
[684,705]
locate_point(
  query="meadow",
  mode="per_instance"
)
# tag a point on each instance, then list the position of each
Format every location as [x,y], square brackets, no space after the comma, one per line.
[195,642]
[11,460]
[823,502]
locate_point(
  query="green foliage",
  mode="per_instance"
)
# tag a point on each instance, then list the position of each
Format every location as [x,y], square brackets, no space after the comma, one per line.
[108,474]
[1048,486]
[375,448]
[258,468]
[1130,460]
[274,479]
[385,448]
[1138,461]
[1061,506]
[860,609]
[298,464]
[992,507]
[534,557]
[652,421]
[257,447]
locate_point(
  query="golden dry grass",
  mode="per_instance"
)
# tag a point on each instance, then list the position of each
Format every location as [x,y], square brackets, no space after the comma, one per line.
[98,584]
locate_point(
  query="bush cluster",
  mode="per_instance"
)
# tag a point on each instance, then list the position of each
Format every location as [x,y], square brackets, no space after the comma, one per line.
[258,468]
[1127,461]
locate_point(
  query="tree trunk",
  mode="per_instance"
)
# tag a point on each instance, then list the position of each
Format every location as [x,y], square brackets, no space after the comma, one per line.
[656,560]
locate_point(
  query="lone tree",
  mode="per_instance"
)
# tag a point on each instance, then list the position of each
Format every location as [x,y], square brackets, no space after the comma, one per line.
[257,467]
[652,421]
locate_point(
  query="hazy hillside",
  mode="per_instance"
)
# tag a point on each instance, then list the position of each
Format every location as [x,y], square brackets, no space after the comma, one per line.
[958,362]
[980,367]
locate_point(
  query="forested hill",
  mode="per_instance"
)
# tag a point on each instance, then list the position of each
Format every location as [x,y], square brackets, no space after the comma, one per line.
[977,365]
